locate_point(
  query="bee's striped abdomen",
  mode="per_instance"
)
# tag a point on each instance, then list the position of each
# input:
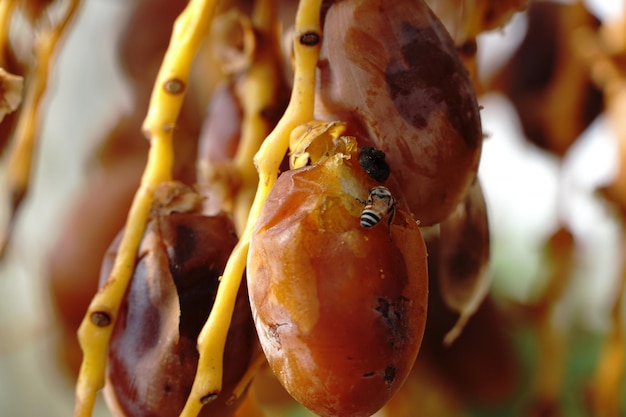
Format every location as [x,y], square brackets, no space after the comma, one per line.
[369,218]
[379,204]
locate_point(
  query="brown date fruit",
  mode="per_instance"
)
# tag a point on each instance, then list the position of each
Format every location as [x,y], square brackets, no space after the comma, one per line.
[339,309]
[481,366]
[464,251]
[390,71]
[217,176]
[152,353]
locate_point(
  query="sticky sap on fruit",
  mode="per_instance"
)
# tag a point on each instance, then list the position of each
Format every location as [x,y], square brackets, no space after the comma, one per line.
[311,141]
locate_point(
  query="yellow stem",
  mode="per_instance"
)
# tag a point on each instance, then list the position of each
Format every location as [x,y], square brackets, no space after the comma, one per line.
[96,328]
[188,33]
[299,110]
[307,41]
[19,165]
[257,91]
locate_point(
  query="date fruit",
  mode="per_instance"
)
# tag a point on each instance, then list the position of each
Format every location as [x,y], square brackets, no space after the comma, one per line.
[152,354]
[390,71]
[339,309]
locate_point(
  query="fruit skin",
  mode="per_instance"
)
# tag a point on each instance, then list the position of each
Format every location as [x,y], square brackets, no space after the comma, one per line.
[391,72]
[339,310]
[152,353]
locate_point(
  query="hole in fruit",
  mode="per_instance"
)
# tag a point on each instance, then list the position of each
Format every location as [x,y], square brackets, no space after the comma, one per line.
[389,312]
[369,374]
[101,318]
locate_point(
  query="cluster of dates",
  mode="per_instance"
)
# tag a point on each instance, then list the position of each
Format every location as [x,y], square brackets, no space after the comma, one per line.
[339,303]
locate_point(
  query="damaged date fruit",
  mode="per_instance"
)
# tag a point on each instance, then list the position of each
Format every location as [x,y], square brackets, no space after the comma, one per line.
[339,309]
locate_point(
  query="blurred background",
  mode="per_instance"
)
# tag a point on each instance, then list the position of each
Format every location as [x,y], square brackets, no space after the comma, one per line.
[530,194]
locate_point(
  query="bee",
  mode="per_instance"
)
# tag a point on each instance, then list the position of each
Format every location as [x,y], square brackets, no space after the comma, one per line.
[380,203]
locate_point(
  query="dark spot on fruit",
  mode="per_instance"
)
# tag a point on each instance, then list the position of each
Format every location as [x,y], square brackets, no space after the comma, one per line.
[372,161]
[389,375]
[428,77]
[369,374]
[393,316]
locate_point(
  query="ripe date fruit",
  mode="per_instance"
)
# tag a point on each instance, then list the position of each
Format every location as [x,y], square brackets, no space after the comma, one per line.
[390,71]
[340,310]
[152,353]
